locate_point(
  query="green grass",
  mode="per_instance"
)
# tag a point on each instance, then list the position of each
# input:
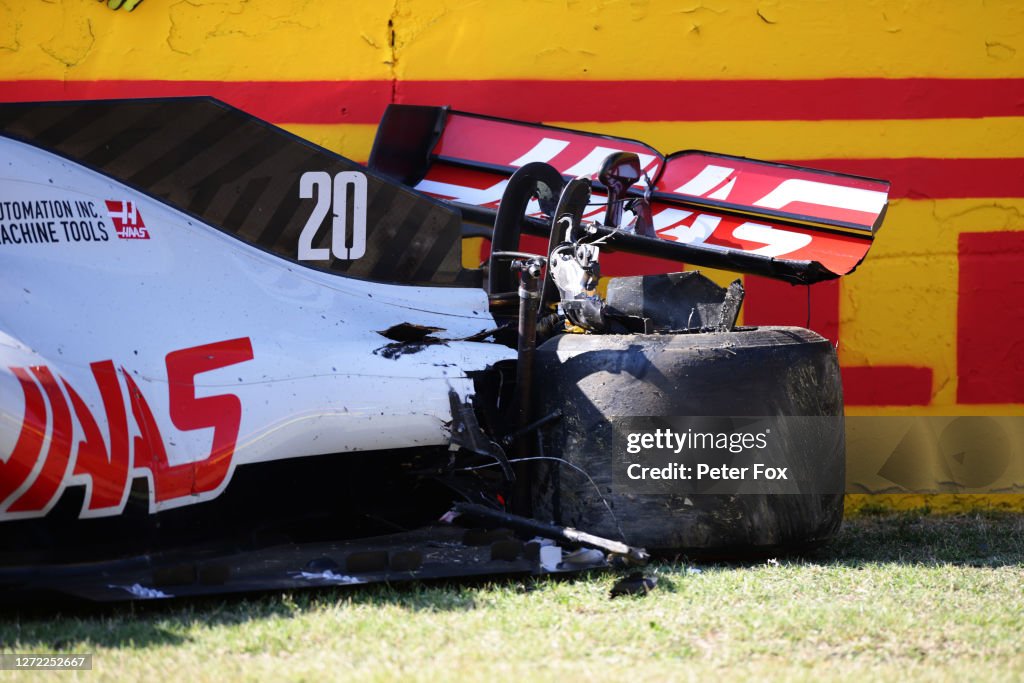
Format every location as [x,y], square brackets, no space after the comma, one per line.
[894,597]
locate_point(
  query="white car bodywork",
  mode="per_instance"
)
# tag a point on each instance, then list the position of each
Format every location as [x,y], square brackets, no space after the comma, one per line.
[313,385]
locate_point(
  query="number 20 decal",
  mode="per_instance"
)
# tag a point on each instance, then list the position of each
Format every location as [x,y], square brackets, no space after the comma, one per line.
[346,195]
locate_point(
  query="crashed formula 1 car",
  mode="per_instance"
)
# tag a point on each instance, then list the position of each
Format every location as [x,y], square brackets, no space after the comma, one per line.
[233,360]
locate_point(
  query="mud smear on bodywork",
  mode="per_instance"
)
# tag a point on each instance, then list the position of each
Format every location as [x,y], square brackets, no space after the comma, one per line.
[408,338]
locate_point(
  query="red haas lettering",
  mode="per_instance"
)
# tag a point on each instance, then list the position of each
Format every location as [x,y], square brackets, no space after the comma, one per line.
[127,220]
[48,483]
[32,480]
[223,413]
[106,468]
[22,460]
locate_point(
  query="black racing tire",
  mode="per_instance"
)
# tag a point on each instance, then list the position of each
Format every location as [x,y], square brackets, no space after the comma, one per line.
[766,371]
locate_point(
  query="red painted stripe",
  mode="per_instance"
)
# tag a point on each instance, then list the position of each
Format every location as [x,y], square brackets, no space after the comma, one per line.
[917,178]
[887,385]
[275,101]
[535,100]
[771,302]
[727,100]
[990,319]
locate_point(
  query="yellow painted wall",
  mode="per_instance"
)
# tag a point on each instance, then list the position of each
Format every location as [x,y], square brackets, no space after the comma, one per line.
[182,40]
[472,39]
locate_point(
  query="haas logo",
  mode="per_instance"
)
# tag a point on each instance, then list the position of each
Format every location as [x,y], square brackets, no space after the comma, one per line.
[78,451]
[127,220]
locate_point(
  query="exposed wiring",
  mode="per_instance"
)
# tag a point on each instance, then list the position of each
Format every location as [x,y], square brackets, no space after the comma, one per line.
[579,469]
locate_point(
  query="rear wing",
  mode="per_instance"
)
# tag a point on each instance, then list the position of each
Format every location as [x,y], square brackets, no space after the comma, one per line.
[783,221]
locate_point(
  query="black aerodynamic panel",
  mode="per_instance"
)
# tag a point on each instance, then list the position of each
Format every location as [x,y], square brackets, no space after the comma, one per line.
[255,181]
